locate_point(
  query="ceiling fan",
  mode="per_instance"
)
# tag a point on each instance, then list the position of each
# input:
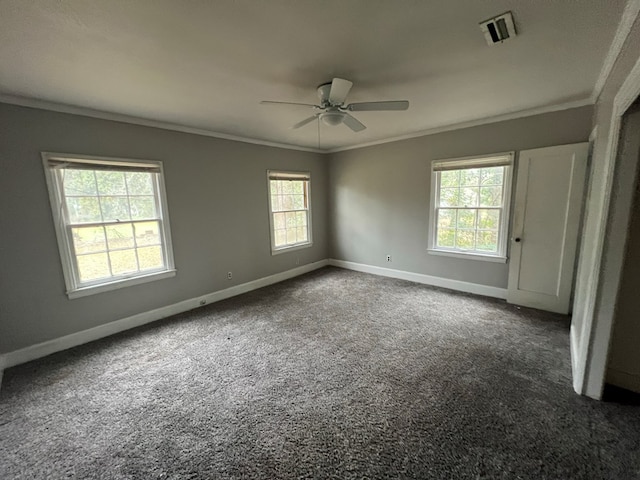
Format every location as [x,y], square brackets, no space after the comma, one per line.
[332,109]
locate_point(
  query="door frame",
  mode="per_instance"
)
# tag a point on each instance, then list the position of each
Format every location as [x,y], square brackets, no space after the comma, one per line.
[592,303]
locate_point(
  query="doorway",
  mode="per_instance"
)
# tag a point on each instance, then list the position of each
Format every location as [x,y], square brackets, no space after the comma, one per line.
[623,362]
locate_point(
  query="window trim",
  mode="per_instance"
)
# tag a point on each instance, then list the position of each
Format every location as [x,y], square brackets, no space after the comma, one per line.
[73,287]
[299,175]
[503,231]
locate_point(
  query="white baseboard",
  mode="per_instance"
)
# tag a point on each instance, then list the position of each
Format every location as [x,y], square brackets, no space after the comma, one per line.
[426,279]
[622,379]
[43,349]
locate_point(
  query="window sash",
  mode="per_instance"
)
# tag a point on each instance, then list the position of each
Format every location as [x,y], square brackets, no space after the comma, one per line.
[55,167]
[305,194]
[305,178]
[474,229]
[108,249]
[467,208]
[475,250]
[59,174]
[504,160]
[287,229]
[290,211]
[69,226]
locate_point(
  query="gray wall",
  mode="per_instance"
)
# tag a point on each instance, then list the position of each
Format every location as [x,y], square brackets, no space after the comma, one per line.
[366,203]
[217,199]
[380,195]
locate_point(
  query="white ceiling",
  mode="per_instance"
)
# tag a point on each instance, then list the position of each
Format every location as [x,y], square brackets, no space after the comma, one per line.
[207,64]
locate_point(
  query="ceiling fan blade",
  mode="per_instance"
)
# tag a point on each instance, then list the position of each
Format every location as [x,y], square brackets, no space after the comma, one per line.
[339,91]
[353,123]
[269,102]
[305,121]
[378,106]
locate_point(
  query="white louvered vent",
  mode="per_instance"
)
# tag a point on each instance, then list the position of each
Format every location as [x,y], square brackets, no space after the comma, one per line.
[499,29]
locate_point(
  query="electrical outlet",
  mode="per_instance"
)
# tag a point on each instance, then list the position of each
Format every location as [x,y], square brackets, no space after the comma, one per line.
[388,258]
[229,275]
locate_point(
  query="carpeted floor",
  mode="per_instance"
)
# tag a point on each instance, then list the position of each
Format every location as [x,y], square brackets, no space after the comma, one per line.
[335,374]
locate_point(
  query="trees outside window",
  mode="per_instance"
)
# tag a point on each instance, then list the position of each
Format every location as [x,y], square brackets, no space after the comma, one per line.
[290,213]
[111,221]
[470,206]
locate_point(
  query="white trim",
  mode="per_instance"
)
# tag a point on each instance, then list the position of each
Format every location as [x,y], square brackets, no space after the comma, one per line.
[119,117]
[458,285]
[573,347]
[576,311]
[120,283]
[470,123]
[593,135]
[43,349]
[589,376]
[468,256]
[295,176]
[291,248]
[503,233]
[75,288]
[628,18]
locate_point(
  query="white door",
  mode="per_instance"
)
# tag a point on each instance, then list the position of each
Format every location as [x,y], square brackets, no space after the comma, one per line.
[548,203]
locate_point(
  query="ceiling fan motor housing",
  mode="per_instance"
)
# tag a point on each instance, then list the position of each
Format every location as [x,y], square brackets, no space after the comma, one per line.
[323,93]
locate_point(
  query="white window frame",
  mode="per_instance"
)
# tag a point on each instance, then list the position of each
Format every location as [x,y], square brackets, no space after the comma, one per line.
[74,287]
[505,159]
[291,175]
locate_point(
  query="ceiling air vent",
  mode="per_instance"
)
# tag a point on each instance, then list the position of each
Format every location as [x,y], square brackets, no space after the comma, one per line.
[498,29]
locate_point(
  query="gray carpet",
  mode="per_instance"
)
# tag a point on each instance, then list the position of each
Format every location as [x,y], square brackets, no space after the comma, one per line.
[335,374]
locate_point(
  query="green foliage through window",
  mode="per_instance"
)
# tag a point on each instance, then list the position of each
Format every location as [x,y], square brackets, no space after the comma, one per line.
[114,222]
[469,208]
[290,211]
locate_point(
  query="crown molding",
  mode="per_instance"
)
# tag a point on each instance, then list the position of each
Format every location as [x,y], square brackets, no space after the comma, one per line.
[472,123]
[118,117]
[629,16]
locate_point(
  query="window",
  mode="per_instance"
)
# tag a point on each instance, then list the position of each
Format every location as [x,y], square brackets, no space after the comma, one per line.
[289,210]
[470,206]
[111,221]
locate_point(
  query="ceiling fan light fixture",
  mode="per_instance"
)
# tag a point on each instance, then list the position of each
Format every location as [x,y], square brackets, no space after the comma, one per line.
[332,118]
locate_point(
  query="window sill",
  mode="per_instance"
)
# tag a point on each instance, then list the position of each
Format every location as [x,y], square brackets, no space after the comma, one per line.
[291,248]
[116,284]
[469,256]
